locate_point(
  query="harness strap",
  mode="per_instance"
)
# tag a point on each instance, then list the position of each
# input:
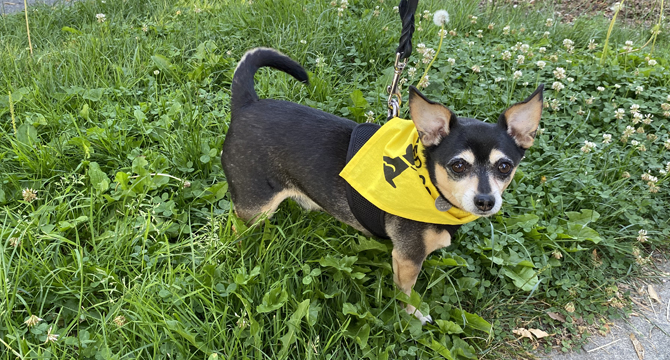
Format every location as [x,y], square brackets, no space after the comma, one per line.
[370,216]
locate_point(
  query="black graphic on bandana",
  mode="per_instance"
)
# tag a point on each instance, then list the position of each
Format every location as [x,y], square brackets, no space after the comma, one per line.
[393,167]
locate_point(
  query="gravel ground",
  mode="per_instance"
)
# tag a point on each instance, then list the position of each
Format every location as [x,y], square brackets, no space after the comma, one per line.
[648,329]
[12,6]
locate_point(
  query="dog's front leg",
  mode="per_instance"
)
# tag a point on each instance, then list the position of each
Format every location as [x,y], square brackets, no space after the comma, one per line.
[405,272]
[412,242]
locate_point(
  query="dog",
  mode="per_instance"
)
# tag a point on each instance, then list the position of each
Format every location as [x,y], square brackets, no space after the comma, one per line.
[275,150]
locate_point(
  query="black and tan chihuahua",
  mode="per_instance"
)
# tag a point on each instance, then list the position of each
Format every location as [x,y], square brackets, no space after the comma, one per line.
[277,149]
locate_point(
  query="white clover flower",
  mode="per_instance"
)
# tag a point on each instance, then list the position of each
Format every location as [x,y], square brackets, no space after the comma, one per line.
[423,83]
[421,48]
[619,113]
[498,79]
[600,88]
[506,32]
[451,61]
[541,64]
[51,337]
[559,73]
[476,68]
[303,42]
[101,17]
[635,143]
[567,43]
[665,106]
[480,34]
[634,108]
[473,19]
[428,55]
[520,59]
[629,43]
[29,195]
[639,89]
[549,22]
[555,105]
[648,177]
[588,146]
[32,320]
[396,9]
[557,85]
[607,138]
[647,119]
[592,44]
[524,48]
[156,72]
[506,55]
[652,62]
[570,79]
[411,72]
[491,26]
[517,74]
[642,236]
[637,118]
[441,17]
[542,50]
[629,131]
[370,116]
[442,33]
[320,62]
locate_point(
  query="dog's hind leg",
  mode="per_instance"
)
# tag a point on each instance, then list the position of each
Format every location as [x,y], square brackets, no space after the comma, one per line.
[258,198]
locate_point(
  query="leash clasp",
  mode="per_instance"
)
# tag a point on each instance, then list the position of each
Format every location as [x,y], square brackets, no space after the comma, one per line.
[395,97]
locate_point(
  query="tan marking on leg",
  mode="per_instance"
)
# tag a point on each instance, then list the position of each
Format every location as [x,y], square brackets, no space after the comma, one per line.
[405,273]
[434,240]
[268,209]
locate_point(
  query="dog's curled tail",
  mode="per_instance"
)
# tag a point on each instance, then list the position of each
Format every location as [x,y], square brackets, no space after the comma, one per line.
[243,80]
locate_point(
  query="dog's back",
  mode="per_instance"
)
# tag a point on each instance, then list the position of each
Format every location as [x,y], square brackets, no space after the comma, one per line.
[277,149]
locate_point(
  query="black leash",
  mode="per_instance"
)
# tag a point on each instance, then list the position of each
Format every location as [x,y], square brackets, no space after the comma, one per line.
[406,8]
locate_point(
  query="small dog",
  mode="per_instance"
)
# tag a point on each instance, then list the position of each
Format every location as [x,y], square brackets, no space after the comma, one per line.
[277,149]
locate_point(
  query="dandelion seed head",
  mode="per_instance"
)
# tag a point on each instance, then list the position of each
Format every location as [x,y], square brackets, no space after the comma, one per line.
[441,17]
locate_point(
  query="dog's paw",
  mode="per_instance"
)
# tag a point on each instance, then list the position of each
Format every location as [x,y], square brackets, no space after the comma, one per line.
[417,314]
[426,319]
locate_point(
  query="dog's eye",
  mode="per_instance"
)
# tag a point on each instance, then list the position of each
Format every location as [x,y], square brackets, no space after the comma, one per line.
[504,167]
[458,166]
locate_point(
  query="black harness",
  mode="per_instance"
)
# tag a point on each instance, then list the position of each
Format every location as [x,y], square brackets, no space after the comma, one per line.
[370,216]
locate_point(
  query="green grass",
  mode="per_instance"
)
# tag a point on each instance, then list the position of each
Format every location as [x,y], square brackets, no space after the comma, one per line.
[121,262]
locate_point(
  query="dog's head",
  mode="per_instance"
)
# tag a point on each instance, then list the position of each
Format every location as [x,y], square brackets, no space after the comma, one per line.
[472,162]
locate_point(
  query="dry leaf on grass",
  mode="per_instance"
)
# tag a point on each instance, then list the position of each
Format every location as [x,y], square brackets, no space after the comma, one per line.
[528,333]
[638,346]
[538,333]
[556,316]
[523,332]
[653,294]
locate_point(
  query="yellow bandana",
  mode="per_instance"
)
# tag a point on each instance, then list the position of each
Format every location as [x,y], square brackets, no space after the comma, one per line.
[390,171]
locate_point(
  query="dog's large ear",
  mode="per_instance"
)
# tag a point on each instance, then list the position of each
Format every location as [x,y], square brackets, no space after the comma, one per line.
[521,120]
[432,120]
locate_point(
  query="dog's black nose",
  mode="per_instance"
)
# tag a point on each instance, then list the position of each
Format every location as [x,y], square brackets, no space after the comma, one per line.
[484,202]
